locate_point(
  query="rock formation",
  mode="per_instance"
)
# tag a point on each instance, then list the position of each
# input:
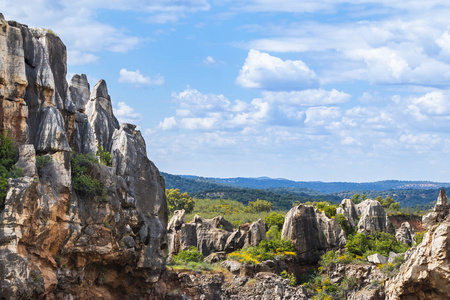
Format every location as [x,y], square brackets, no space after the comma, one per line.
[54,240]
[426,271]
[368,216]
[440,211]
[405,234]
[312,232]
[211,235]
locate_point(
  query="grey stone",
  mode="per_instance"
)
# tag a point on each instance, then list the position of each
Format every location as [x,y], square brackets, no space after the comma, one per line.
[79,91]
[312,232]
[377,259]
[405,234]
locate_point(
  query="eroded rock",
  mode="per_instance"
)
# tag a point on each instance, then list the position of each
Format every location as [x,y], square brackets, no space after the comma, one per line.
[312,232]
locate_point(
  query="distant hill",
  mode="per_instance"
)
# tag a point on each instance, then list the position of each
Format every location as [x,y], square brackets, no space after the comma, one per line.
[283,192]
[328,187]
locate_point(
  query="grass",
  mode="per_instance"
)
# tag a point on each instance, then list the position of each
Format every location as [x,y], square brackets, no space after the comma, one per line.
[232,211]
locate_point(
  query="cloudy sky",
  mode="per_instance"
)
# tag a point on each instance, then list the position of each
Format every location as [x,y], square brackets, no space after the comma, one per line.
[329,90]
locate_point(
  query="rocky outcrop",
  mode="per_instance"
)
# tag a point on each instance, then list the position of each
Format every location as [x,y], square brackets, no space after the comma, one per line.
[100,115]
[373,217]
[211,235]
[348,209]
[440,211]
[56,241]
[367,280]
[405,234]
[312,233]
[426,271]
[368,216]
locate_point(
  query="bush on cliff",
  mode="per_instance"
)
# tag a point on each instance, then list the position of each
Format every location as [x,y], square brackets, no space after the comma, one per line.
[8,157]
[276,248]
[83,181]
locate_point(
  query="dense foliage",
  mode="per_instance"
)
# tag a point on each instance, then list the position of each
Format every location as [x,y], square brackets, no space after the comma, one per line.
[177,201]
[377,242]
[83,181]
[8,157]
[266,250]
[274,219]
[258,206]
[191,255]
[105,156]
[232,211]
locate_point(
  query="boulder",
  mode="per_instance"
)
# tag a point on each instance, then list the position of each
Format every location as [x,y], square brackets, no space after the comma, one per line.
[377,259]
[373,217]
[405,234]
[312,233]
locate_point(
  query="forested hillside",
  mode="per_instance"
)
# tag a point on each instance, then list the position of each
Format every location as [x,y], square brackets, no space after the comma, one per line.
[282,193]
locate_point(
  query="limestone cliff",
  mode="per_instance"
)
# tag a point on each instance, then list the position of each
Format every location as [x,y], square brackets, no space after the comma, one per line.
[54,240]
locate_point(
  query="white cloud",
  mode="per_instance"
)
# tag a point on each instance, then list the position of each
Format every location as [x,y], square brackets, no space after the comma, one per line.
[138,79]
[321,115]
[314,97]
[209,60]
[126,114]
[80,58]
[267,72]
[77,24]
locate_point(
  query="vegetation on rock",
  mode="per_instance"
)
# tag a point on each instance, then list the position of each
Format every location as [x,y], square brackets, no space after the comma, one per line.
[267,249]
[8,157]
[83,181]
[177,201]
[105,156]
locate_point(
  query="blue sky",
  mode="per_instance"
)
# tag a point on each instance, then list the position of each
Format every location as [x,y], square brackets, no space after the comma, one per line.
[329,90]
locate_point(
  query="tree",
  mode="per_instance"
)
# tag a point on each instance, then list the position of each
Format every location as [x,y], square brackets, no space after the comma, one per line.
[258,206]
[356,198]
[177,201]
[274,219]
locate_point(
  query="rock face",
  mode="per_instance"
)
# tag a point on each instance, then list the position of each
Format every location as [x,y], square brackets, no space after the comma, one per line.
[370,213]
[312,232]
[55,241]
[211,235]
[426,271]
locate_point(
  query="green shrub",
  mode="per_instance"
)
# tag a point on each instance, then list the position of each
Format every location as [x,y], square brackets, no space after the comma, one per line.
[273,233]
[418,238]
[82,180]
[266,250]
[274,219]
[258,206]
[8,157]
[377,242]
[342,220]
[105,156]
[391,269]
[186,256]
[292,280]
[177,200]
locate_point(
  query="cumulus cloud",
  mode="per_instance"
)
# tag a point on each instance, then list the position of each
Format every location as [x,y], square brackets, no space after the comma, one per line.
[138,79]
[126,114]
[267,72]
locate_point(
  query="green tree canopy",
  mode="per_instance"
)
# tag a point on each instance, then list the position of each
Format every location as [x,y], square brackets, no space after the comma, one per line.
[177,200]
[274,219]
[258,206]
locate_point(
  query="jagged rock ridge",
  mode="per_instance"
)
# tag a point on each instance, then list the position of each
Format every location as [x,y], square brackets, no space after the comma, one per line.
[55,241]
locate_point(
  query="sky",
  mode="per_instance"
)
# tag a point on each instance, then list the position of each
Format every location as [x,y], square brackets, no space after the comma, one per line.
[311,90]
